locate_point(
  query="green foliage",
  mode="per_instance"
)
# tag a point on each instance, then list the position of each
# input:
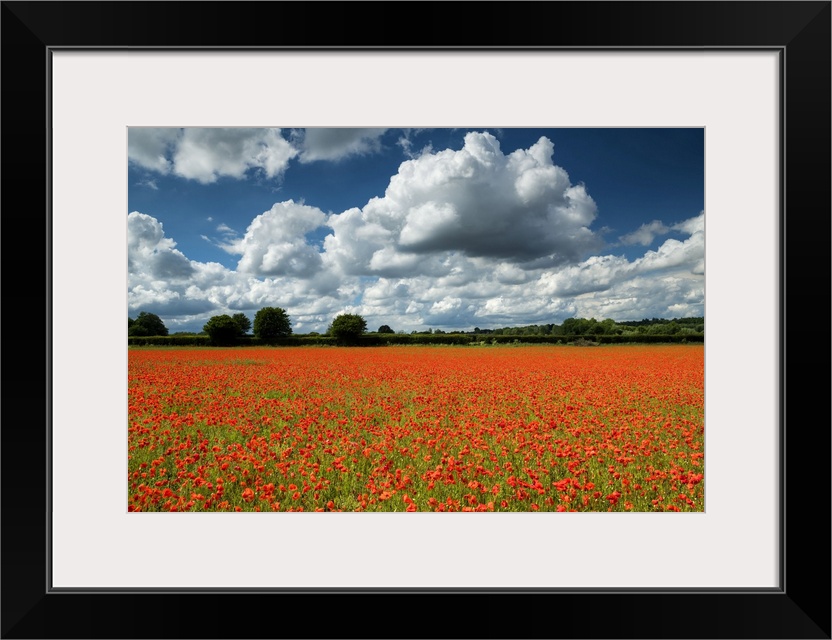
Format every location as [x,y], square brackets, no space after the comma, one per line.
[146,324]
[443,338]
[575,327]
[299,341]
[347,327]
[271,323]
[419,338]
[385,329]
[381,340]
[525,339]
[222,330]
[650,338]
[169,341]
[242,322]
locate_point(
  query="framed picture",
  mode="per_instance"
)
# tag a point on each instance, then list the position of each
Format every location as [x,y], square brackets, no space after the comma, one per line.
[754,76]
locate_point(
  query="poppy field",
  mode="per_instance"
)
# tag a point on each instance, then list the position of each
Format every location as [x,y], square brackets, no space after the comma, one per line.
[436,429]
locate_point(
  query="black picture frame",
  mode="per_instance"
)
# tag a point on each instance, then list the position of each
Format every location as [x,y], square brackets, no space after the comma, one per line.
[799,31]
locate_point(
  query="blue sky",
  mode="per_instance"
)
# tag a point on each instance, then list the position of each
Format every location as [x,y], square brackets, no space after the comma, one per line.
[416,228]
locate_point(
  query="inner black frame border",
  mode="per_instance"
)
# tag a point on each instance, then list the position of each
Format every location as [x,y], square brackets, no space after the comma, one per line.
[799,31]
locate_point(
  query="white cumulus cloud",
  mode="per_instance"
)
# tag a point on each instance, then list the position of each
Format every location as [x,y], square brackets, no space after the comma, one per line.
[207,154]
[476,201]
[275,243]
[150,254]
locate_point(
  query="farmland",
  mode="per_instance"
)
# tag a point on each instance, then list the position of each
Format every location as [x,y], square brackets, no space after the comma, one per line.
[403,428]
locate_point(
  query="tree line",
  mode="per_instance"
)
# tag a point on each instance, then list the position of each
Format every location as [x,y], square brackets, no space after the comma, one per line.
[270,324]
[273,323]
[607,327]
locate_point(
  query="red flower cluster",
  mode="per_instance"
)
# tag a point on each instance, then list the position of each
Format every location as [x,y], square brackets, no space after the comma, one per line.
[616,428]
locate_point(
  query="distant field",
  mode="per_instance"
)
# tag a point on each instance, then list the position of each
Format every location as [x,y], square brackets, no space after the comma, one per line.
[613,428]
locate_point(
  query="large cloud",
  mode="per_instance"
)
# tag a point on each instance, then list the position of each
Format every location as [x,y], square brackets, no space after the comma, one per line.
[207,154]
[601,273]
[478,202]
[275,243]
[150,254]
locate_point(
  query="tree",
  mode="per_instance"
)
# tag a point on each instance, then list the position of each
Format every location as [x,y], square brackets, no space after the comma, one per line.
[608,325]
[656,330]
[571,326]
[222,329]
[146,324]
[347,327]
[385,329]
[271,323]
[243,322]
[671,328]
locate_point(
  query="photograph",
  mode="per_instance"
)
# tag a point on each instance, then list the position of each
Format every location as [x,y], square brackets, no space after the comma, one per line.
[417,320]
[430,262]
